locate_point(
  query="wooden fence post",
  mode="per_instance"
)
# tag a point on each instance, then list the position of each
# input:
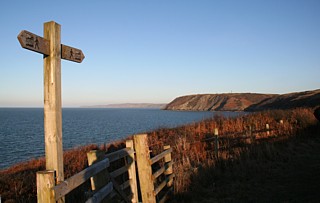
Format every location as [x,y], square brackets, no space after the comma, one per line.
[99,180]
[144,168]
[132,173]
[280,128]
[267,128]
[216,146]
[45,181]
[252,138]
[169,170]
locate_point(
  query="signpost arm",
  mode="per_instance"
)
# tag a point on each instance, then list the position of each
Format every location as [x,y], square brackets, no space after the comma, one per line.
[52,101]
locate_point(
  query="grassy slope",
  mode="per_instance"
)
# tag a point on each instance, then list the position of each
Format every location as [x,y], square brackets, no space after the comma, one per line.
[283,171]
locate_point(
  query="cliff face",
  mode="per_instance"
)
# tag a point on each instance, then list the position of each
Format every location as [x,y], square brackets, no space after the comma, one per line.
[217,102]
[289,101]
[244,101]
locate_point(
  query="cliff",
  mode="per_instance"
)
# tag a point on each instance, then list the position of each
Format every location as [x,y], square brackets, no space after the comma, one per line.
[289,101]
[217,102]
[245,101]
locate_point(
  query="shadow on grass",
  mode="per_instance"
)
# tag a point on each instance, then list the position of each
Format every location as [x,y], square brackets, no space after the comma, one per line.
[286,170]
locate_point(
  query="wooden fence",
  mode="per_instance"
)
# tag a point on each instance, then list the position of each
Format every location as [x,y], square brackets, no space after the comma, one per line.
[107,172]
[234,140]
[104,178]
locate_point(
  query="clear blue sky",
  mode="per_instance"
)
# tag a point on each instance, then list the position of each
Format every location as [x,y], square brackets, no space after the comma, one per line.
[154,51]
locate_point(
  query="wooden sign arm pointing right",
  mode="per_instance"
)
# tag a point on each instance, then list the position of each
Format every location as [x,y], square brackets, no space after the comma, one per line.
[71,54]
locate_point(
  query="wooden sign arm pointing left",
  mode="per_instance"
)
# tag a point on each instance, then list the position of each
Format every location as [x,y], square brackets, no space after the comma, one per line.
[34,42]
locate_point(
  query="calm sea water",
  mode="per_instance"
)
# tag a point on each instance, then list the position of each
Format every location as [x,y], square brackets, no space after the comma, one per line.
[22,136]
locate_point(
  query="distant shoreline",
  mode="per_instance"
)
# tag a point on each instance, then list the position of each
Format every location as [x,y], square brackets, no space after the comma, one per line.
[129,105]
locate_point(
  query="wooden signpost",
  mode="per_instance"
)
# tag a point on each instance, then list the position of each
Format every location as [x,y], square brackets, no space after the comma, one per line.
[50,46]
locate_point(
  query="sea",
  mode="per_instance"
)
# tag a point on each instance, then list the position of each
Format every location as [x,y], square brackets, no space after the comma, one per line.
[22,133]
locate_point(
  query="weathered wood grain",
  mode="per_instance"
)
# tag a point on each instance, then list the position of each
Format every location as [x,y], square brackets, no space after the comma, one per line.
[52,101]
[101,194]
[132,172]
[71,54]
[160,156]
[75,181]
[144,168]
[34,42]
[45,181]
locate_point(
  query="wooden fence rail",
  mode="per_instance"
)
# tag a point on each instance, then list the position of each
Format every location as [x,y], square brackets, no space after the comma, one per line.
[166,170]
[105,185]
[102,182]
[238,136]
[51,193]
[75,181]
[101,194]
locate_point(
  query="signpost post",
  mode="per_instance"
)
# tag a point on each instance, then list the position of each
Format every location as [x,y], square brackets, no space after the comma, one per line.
[53,51]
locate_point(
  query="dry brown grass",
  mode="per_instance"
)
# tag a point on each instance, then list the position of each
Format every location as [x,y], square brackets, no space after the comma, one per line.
[191,155]
[283,170]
